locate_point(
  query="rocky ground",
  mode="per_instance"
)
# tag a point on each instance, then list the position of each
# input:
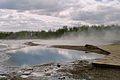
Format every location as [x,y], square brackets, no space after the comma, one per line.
[76,70]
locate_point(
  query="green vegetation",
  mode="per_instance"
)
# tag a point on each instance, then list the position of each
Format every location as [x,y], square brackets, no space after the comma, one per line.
[58,33]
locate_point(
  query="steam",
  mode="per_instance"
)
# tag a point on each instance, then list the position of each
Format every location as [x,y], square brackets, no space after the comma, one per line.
[94,37]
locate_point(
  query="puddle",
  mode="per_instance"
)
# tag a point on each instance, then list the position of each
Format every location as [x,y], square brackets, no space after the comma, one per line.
[38,55]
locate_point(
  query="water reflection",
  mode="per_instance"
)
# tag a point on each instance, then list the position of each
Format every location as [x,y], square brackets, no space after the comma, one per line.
[37,55]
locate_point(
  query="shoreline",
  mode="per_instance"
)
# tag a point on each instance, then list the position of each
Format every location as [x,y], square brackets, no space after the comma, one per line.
[87,48]
[112,52]
[74,70]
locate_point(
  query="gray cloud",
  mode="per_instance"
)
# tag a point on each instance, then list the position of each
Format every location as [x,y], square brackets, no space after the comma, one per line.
[90,11]
[106,12]
[101,16]
[29,4]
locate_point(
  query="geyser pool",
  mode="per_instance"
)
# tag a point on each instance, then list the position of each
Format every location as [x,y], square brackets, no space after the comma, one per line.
[38,55]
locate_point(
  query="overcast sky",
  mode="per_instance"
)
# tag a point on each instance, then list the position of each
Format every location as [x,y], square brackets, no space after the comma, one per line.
[78,11]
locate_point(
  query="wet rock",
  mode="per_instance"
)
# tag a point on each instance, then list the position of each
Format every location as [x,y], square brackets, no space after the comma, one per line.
[47,74]
[91,46]
[58,65]
[86,52]
[3,74]
[62,78]
[31,44]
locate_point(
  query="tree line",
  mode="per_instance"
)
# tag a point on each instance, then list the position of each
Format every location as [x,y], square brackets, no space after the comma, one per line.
[57,33]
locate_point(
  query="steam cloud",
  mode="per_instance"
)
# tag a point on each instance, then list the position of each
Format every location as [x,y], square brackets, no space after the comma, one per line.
[94,37]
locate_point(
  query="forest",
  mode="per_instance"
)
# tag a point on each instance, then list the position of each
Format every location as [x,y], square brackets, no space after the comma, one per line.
[65,30]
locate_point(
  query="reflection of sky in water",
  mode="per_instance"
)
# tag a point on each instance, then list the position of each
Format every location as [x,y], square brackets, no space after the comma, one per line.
[37,55]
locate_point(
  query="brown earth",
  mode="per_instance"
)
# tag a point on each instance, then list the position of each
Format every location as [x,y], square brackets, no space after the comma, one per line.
[86,48]
[112,51]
